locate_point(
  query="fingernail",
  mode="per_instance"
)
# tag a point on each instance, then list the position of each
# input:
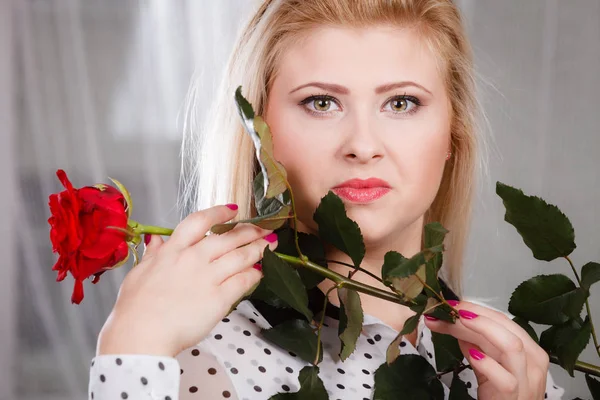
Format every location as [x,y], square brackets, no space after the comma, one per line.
[232,206]
[430,317]
[476,354]
[271,237]
[257,266]
[147,238]
[467,314]
[453,303]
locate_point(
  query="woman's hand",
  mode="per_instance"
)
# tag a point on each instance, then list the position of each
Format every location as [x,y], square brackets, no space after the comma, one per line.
[507,362]
[183,287]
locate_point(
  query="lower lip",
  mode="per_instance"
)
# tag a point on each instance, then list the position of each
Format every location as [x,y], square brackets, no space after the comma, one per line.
[364,195]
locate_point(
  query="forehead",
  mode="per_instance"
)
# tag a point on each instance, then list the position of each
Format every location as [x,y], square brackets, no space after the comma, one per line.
[361,57]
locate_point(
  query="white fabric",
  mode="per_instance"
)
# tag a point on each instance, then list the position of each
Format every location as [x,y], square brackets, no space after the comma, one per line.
[234,362]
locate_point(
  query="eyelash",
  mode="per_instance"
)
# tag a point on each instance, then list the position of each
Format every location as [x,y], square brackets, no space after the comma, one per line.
[412,99]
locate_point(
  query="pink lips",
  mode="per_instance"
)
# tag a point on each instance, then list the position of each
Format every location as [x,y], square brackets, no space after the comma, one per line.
[362,190]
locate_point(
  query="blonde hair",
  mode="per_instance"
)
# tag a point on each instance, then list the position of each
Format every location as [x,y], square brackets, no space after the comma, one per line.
[218,160]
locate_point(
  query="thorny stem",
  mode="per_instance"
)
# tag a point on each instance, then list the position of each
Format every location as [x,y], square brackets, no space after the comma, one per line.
[372,275]
[587,308]
[321,324]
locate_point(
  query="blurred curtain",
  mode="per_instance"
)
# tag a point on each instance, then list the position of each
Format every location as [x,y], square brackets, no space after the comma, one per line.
[95,88]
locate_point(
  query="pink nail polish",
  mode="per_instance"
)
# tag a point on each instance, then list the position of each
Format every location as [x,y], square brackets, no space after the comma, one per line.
[257,266]
[271,237]
[476,354]
[147,238]
[232,206]
[453,303]
[467,314]
[430,318]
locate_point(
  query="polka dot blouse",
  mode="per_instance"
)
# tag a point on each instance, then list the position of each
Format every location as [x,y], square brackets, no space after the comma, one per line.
[234,362]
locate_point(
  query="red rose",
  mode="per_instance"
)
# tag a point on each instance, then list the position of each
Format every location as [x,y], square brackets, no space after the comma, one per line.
[79,233]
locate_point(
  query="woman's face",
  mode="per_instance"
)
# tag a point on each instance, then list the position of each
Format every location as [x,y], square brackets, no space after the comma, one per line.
[358,104]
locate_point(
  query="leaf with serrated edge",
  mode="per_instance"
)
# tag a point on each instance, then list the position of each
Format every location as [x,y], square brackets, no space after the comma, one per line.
[351,321]
[270,221]
[284,282]
[296,336]
[393,349]
[409,375]
[590,274]
[527,328]
[567,341]
[410,286]
[544,228]
[447,351]
[311,387]
[434,234]
[336,228]
[547,299]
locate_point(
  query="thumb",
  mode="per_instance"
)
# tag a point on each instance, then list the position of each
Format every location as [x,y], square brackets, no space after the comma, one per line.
[151,245]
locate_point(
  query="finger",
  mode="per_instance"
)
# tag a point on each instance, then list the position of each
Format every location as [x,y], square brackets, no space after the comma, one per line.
[503,381]
[151,245]
[531,347]
[464,348]
[195,226]
[218,245]
[236,286]
[461,332]
[241,258]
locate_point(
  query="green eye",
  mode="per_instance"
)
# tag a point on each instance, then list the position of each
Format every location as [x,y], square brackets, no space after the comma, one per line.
[322,104]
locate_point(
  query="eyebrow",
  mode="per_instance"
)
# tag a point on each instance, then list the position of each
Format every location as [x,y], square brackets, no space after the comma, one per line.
[339,89]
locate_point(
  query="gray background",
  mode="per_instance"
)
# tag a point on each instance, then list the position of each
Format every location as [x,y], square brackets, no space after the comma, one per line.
[95,88]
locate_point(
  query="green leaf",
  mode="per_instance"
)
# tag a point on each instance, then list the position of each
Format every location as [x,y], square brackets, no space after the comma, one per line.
[443,312]
[544,228]
[296,336]
[434,234]
[458,390]
[410,286]
[447,351]
[594,386]
[410,324]
[311,387]
[590,274]
[523,323]
[351,321]
[567,341]
[393,349]
[263,294]
[547,299]
[274,174]
[395,265]
[271,221]
[311,246]
[283,280]
[409,376]
[336,228]
[432,268]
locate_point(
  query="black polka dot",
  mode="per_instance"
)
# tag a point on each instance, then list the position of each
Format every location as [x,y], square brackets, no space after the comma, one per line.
[168,398]
[366,386]
[212,371]
[180,372]
[234,370]
[366,372]
[341,371]
[285,387]
[257,388]
[195,352]
[102,378]
[252,320]
[225,320]
[144,381]
[193,389]
[554,387]
[288,369]
[254,312]
[240,351]
[247,333]
[469,385]
[403,344]
[161,366]
[267,351]
[218,336]
[92,395]
[421,335]
[94,362]
[340,386]
[119,361]
[371,341]
[124,395]
[292,353]
[429,355]
[545,395]
[367,355]
[262,369]
[377,337]
[226,394]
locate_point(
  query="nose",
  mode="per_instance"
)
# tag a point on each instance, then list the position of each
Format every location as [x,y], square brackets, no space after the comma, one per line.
[362,144]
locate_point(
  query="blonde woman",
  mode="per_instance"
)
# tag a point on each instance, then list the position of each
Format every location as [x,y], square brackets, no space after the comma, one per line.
[374,100]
